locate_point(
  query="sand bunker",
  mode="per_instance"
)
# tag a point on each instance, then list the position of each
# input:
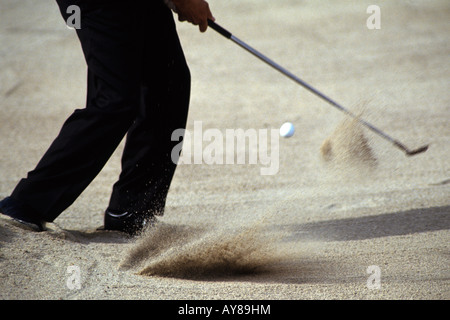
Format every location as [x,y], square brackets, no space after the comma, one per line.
[188,252]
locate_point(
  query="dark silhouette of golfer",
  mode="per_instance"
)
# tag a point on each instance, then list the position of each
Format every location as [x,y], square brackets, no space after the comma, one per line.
[138,85]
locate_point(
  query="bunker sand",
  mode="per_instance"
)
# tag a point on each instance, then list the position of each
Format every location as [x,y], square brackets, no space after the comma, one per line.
[328,220]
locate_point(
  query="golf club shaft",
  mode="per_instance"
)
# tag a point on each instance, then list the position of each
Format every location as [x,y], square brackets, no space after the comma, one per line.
[293,77]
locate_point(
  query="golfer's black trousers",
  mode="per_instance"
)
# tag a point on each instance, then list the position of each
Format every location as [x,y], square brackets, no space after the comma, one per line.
[138,86]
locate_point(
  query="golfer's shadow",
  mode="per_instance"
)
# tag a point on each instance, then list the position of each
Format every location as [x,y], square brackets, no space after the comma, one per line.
[87,236]
[11,229]
[375,226]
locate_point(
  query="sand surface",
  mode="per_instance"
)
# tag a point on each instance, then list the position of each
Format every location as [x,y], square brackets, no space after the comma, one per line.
[312,230]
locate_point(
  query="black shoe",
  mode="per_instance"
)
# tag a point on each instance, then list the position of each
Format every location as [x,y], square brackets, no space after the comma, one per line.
[21,213]
[132,223]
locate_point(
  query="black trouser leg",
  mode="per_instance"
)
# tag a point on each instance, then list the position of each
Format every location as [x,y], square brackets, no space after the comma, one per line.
[147,167]
[114,45]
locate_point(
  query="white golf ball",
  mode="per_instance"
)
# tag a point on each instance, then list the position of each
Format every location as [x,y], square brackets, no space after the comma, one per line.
[287,130]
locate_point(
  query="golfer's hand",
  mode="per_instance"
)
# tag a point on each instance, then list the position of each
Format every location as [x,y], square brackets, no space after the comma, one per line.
[194,11]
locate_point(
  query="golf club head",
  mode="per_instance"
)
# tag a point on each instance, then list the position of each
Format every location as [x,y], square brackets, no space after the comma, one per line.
[416,151]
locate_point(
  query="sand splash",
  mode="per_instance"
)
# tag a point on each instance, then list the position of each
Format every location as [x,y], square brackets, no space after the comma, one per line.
[194,252]
[348,145]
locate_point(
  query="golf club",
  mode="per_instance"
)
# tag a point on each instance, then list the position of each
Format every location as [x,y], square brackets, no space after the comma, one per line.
[290,75]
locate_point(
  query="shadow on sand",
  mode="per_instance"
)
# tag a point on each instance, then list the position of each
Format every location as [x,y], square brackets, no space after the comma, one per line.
[375,226]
